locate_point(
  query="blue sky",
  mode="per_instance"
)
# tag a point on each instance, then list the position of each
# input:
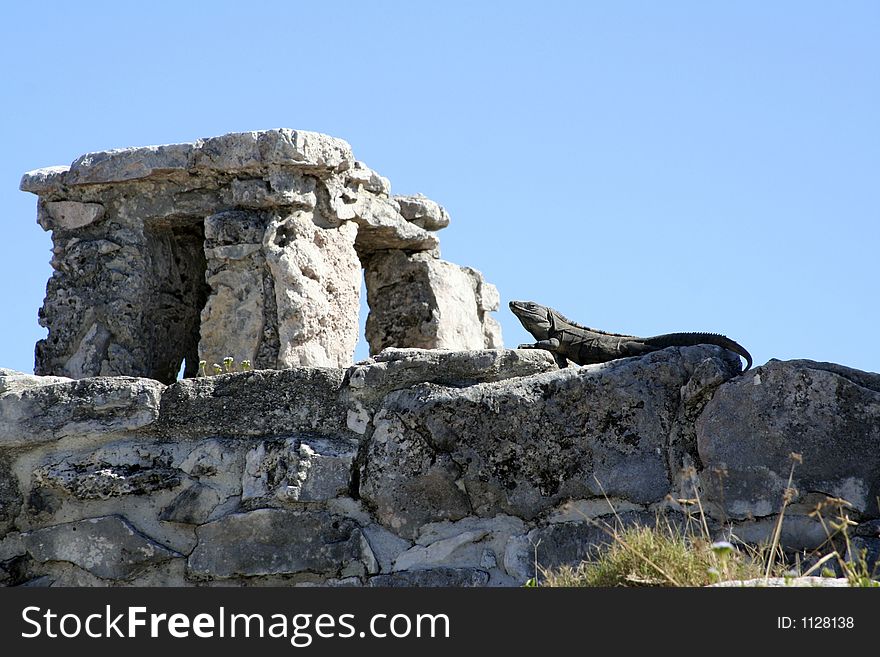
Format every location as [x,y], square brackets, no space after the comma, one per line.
[643,167]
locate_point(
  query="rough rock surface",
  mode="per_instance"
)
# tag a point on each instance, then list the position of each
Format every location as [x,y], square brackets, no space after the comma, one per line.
[51,412]
[832,420]
[419,301]
[107,547]
[521,447]
[248,245]
[277,542]
[416,468]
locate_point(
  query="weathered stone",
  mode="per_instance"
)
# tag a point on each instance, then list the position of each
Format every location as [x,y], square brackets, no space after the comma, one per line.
[580,510]
[11,546]
[43,180]
[799,533]
[349,508]
[565,544]
[867,551]
[302,470]
[245,245]
[395,369]
[12,381]
[424,488]
[108,547]
[523,446]
[419,301]
[10,495]
[317,290]
[228,153]
[361,176]
[462,577]
[109,473]
[234,316]
[479,542]
[423,212]
[830,415]
[124,299]
[381,226]
[385,546]
[193,506]
[274,542]
[259,403]
[68,215]
[276,188]
[218,464]
[45,413]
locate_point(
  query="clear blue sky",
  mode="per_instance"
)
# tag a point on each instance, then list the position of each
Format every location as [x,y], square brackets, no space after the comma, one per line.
[644,167]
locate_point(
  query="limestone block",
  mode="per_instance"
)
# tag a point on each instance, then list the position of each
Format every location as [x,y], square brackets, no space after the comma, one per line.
[395,369]
[523,446]
[278,541]
[193,506]
[90,406]
[424,480]
[378,217]
[260,403]
[829,414]
[122,164]
[300,470]
[277,187]
[68,215]
[470,542]
[234,317]
[316,276]
[231,153]
[799,532]
[43,180]
[385,545]
[12,381]
[423,212]
[419,301]
[362,177]
[109,472]
[108,547]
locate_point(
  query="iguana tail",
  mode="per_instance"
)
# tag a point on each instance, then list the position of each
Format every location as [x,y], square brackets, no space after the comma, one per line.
[693,339]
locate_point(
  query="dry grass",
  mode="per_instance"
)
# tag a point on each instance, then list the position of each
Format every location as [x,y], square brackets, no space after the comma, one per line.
[685,554]
[663,555]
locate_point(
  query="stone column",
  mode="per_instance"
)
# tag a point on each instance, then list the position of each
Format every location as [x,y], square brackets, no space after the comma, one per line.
[114,304]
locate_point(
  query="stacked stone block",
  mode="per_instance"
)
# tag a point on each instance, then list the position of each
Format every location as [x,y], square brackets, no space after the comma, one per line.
[249,246]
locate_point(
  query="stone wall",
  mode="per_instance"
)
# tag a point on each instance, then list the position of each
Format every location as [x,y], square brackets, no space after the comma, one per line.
[417,467]
[250,246]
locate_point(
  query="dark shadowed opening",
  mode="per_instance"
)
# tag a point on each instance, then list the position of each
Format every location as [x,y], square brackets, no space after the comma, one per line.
[178,265]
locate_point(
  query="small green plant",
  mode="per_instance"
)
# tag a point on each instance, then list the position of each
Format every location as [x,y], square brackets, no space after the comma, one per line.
[228,367]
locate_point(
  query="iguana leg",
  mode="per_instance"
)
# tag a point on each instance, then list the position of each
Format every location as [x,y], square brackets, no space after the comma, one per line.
[550,345]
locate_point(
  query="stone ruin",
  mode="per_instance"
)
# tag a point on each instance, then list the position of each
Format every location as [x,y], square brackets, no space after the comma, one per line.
[248,245]
[470,465]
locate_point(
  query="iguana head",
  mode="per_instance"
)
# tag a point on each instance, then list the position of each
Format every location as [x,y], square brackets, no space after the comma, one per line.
[535,318]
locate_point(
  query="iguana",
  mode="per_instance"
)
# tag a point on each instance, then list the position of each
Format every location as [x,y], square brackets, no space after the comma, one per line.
[569,341]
